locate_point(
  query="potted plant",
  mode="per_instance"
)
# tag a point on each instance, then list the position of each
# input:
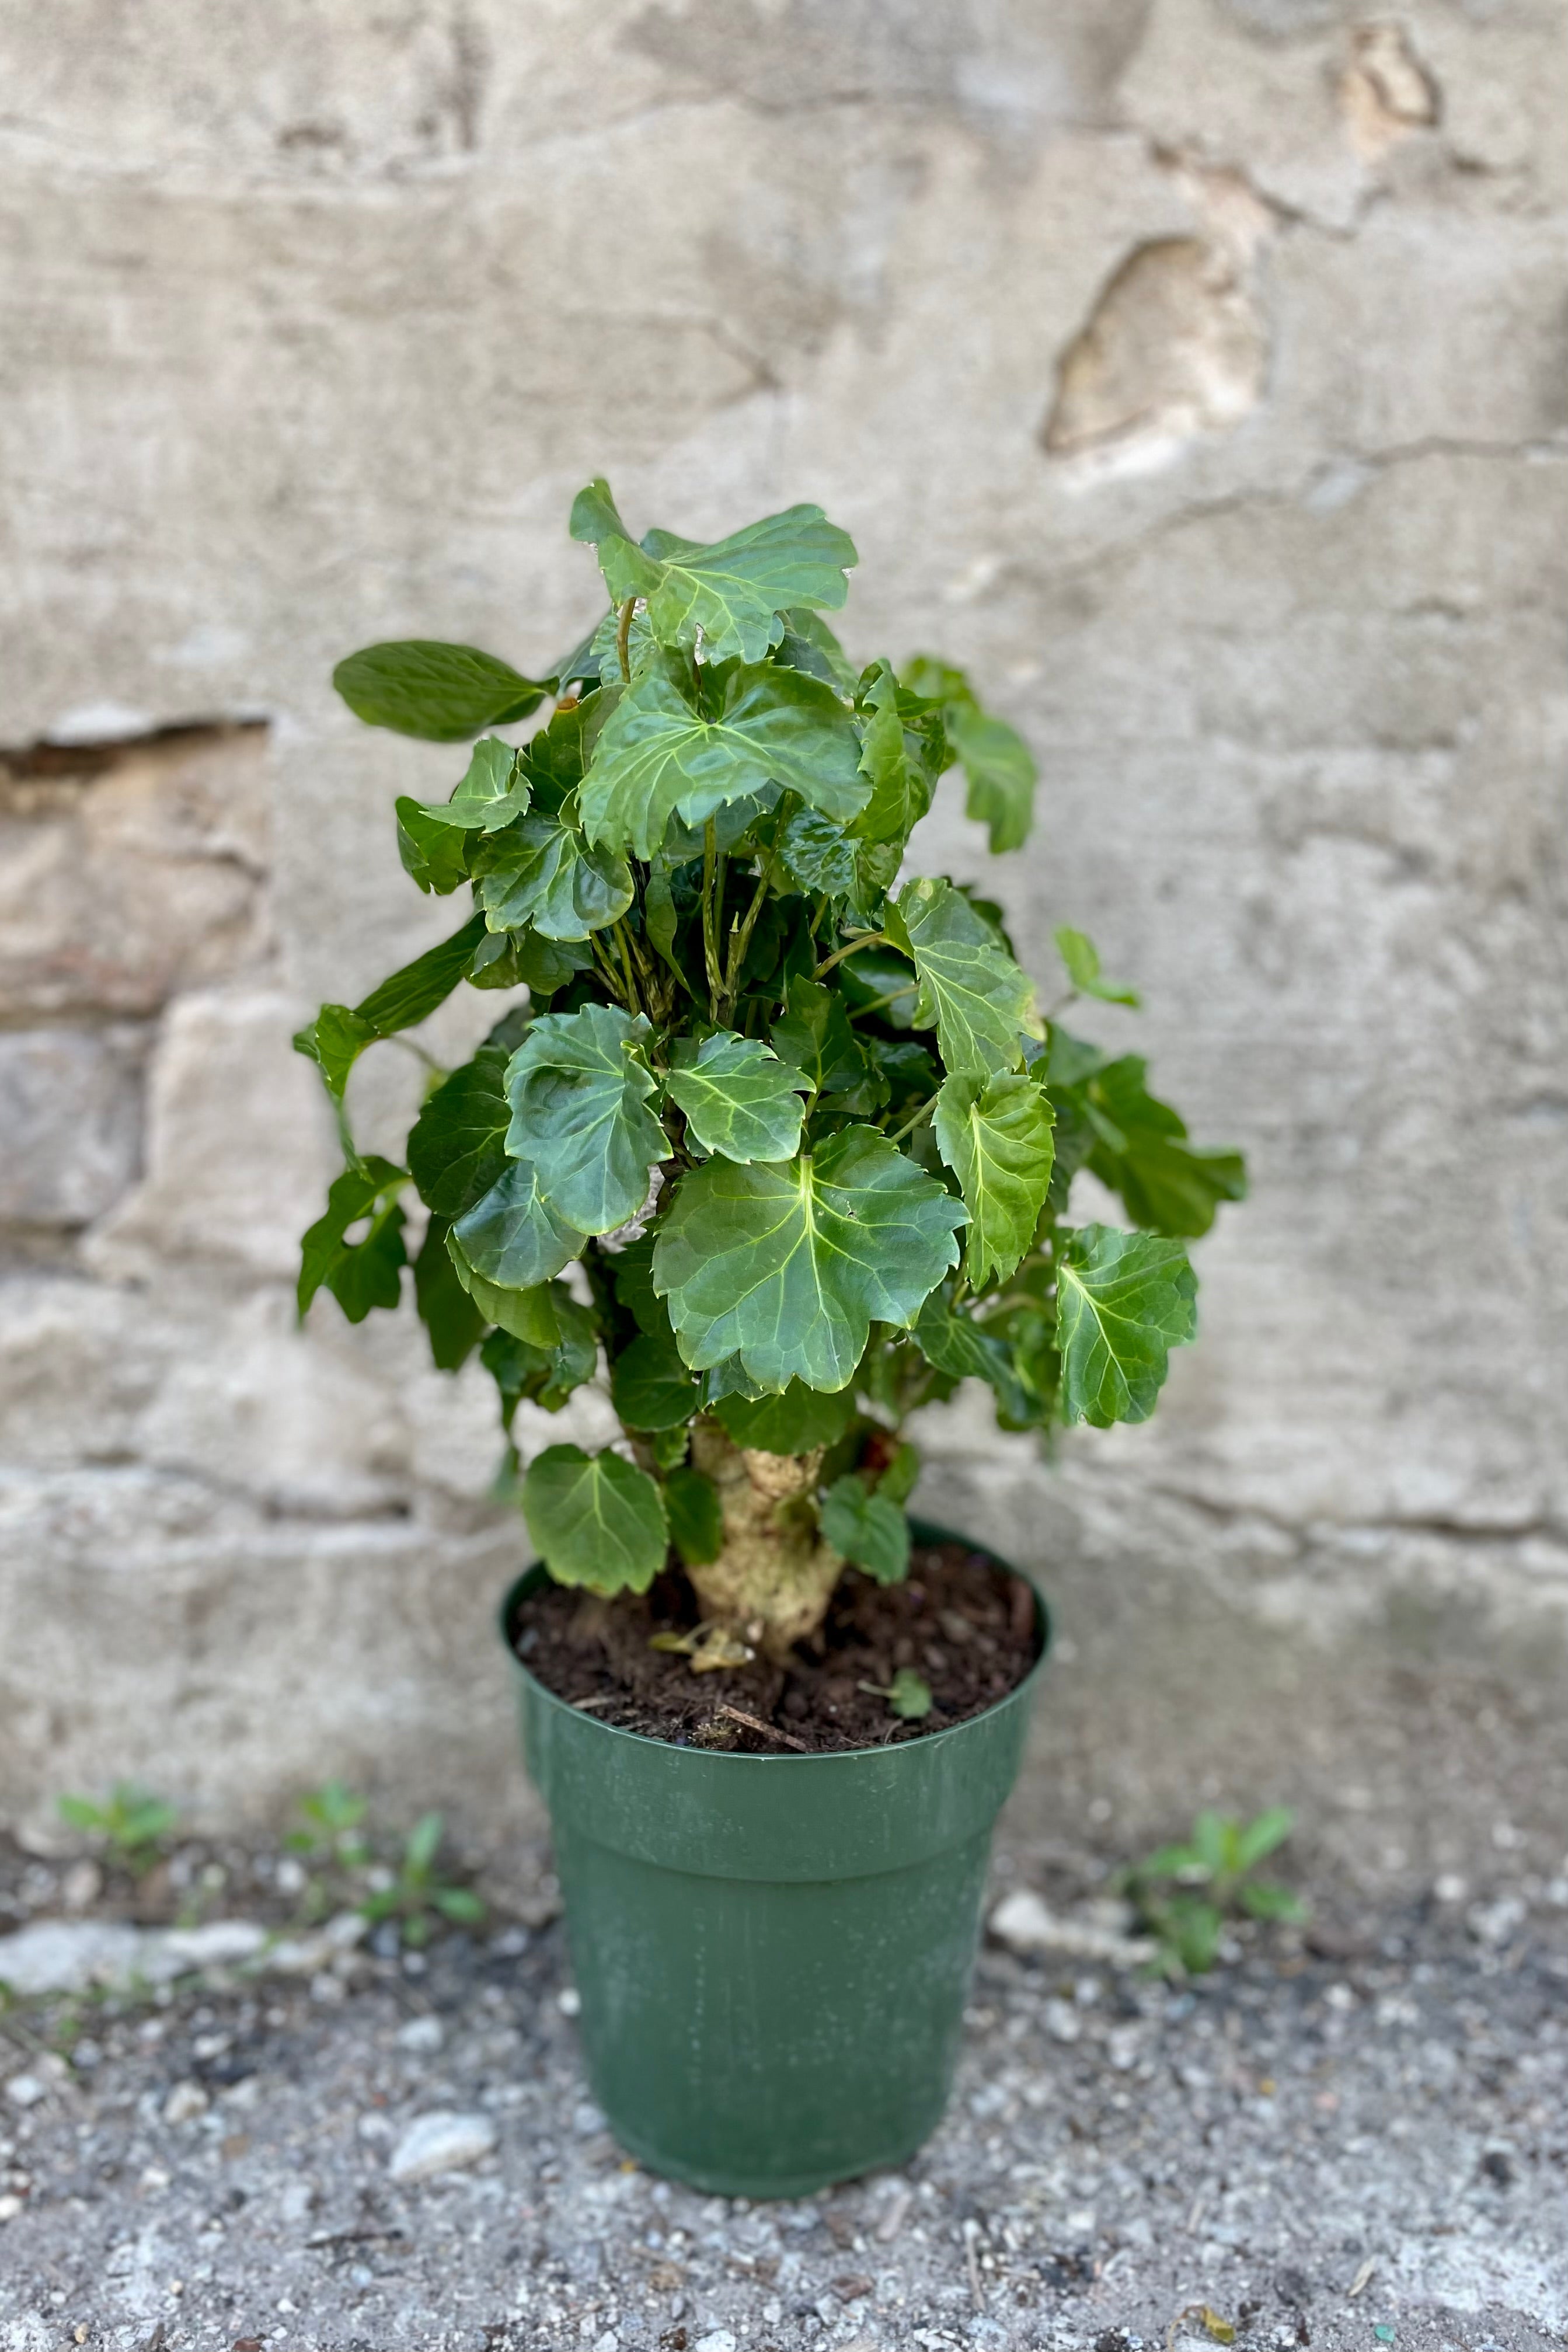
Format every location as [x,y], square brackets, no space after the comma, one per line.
[773,1146]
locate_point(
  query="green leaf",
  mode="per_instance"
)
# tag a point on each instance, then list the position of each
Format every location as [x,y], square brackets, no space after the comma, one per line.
[523,960]
[413,992]
[1123,1301]
[696,1516]
[897,1482]
[326,1257]
[450,1316]
[546,1376]
[1263,1834]
[900,789]
[866,1528]
[740,1099]
[815,1038]
[996,1138]
[459,1903]
[1264,1900]
[597,1519]
[957,1346]
[970,991]
[417,686]
[819,855]
[1141,1151]
[495,789]
[1000,771]
[457,1146]
[910,1694]
[731,592]
[678,746]
[528,1312]
[580,1091]
[650,1388]
[631,1270]
[660,918]
[432,854]
[1081,957]
[541,871]
[334,1041]
[996,761]
[797,1421]
[337,1036]
[877,981]
[510,1236]
[808,644]
[787,1264]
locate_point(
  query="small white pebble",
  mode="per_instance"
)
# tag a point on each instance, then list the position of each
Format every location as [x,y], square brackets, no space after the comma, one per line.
[25,2090]
[184,2102]
[568,2003]
[9,2208]
[441,2142]
[423,2033]
[720,2340]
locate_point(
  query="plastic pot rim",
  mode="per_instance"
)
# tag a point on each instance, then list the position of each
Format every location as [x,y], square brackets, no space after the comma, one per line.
[923,1531]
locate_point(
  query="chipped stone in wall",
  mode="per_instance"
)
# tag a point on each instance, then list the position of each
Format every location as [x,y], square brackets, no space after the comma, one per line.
[1385,90]
[1175,347]
[129,871]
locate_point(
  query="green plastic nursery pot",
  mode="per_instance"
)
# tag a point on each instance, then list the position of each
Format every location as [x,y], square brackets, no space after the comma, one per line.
[772,1952]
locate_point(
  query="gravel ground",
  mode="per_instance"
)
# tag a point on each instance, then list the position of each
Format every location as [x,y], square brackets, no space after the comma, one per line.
[1365,2146]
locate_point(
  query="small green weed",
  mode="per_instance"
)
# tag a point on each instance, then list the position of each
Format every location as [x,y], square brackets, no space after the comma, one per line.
[908,1693]
[329,1818]
[417,1898]
[1185,1894]
[131,1826]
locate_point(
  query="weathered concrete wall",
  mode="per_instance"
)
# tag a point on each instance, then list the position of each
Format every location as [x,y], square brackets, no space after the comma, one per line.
[1196,370]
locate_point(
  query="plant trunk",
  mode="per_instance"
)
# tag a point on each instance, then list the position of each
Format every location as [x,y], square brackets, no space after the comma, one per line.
[772,1581]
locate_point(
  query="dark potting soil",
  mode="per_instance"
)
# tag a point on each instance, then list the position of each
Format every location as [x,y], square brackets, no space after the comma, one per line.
[962,1624]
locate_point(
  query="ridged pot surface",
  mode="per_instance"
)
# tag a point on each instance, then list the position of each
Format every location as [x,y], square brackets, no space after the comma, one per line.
[772,1952]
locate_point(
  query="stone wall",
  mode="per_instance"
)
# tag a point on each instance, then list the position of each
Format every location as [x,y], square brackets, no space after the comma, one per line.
[1194,369]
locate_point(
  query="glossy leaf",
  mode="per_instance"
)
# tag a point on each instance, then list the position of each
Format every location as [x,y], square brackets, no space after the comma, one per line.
[787,1264]
[1141,1151]
[740,1099]
[495,788]
[900,789]
[527,1311]
[542,1375]
[730,594]
[1123,1302]
[456,1147]
[808,644]
[1081,957]
[418,686]
[815,1038]
[958,1346]
[450,1316]
[597,1520]
[523,960]
[542,872]
[696,1516]
[580,1092]
[1000,773]
[970,991]
[435,856]
[867,1528]
[363,1274]
[797,1421]
[511,1236]
[337,1036]
[995,1137]
[650,1388]
[999,768]
[674,747]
